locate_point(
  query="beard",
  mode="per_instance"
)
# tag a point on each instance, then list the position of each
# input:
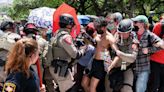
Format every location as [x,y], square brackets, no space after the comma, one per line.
[100,31]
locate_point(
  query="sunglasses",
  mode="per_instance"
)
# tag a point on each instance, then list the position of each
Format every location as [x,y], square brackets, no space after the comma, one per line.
[139,21]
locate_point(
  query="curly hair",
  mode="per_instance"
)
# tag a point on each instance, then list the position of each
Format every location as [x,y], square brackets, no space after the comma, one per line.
[100,22]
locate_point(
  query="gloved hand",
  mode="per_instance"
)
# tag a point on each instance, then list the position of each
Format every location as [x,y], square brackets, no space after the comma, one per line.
[80,43]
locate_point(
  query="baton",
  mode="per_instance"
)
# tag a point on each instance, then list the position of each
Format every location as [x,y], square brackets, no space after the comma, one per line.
[39,71]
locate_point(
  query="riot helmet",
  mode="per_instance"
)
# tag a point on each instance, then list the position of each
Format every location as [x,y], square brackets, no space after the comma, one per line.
[117,17]
[66,19]
[7,25]
[30,28]
[125,26]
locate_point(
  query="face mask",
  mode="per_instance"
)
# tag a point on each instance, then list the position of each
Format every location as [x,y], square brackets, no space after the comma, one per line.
[135,29]
[100,31]
[90,32]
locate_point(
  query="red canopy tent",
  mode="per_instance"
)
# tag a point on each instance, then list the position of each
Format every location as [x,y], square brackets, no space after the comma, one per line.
[64,8]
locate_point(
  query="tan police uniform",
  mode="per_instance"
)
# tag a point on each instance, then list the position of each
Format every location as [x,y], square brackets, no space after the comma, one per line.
[7,40]
[64,50]
[46,58]
[127,46]
[43,45]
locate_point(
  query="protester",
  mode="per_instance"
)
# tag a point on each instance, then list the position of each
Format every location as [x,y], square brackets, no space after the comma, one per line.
[114,21]
[156,81]
[102,58]
[147,40]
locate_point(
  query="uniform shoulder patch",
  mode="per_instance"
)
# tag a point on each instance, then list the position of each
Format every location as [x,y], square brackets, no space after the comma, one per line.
[9,87]
[68,40]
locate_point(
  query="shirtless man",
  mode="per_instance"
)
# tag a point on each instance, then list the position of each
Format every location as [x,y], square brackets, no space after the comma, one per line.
[102,56]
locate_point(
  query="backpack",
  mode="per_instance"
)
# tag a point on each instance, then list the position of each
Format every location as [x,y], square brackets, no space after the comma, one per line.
[54,40]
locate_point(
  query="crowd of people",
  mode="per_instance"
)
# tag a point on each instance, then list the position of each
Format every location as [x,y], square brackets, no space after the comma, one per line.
[111,54]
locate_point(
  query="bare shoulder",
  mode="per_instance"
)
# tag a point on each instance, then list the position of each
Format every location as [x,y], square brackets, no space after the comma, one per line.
[110,38]
[97,38]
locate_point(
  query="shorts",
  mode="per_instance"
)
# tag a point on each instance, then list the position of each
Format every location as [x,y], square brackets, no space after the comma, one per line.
[97,69]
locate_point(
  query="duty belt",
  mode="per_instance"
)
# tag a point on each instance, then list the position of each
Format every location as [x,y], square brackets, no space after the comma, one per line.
[61,66]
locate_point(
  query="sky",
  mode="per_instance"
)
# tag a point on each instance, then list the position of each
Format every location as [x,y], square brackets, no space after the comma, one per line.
[6,1]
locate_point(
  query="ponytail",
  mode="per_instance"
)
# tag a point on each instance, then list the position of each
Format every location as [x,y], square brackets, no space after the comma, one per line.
[19,57]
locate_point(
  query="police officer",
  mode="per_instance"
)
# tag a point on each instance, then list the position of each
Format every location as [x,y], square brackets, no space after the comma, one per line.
[46,59]
[6,40]
[101,58]
[63,52]
[32,31]
[117,17]
[127,43]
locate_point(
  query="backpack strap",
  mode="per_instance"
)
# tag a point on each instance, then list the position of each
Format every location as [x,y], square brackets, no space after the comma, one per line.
[57,37]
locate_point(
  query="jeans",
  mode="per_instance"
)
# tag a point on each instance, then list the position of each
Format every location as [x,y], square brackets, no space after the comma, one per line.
[141,82]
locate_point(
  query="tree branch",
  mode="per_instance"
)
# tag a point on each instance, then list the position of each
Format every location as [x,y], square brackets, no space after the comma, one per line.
[156,4]
[88,7]
[96,7]
[144,11]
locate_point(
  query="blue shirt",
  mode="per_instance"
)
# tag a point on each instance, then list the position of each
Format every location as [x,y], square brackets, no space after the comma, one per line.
[85,60]
[18,82]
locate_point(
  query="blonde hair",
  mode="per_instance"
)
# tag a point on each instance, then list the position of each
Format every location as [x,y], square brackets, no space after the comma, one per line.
[18,59]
